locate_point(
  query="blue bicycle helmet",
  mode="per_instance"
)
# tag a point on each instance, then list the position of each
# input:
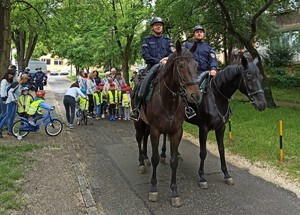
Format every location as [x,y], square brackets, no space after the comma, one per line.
[83,91]
[24,88]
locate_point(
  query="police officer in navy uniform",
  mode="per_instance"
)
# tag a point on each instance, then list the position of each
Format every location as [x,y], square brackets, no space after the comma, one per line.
[204,54]
[40,79]
[155,50]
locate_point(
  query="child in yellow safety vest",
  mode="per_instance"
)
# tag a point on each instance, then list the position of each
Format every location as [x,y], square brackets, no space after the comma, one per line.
[37,106]
[120,107]
[83,102]
[112,99]
[98,100]
[126,101]
[24,102]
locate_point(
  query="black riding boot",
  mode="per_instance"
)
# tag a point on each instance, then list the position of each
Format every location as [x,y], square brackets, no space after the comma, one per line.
[135,114]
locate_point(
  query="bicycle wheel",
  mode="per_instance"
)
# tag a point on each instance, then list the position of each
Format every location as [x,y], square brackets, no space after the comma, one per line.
[54,127]
[19,129]
[84,117]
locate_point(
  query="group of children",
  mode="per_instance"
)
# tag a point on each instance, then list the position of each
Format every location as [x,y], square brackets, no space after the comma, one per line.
[114,103]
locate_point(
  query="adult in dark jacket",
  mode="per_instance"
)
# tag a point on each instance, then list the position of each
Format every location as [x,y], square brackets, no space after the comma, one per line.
[39,79]
[204,54]
[155,50]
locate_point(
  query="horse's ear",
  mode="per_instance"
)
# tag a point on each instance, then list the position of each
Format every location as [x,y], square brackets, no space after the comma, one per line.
[178,47]
[194,47]
[244,62]
[255,61]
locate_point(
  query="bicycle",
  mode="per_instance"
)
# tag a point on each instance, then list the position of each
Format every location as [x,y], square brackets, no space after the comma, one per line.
[82,116]
[22,127]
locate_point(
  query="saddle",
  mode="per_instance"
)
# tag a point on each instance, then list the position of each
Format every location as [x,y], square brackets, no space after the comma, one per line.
[148,82]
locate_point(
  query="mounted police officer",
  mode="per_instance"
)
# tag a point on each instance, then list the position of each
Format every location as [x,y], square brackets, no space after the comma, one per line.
[204,54]
[155,51]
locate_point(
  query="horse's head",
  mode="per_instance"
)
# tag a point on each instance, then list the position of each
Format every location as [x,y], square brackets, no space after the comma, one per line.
[252,84]
[185,68]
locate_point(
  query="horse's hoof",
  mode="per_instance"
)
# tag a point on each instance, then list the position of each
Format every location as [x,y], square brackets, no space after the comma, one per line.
[180,158]
[153,196]
[147,162]
[229,181]
[162,160]
[142,169]
[203,184]
[176,202]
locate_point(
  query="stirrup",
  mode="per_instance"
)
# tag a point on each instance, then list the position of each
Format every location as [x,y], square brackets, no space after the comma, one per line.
[189,112]
[135,117]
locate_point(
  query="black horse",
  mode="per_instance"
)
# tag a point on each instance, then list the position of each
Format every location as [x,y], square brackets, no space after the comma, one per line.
[165,112]
[213,112]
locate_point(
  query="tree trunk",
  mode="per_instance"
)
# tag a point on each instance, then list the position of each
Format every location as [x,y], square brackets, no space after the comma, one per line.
[5,36]
[125,58]
[19,38]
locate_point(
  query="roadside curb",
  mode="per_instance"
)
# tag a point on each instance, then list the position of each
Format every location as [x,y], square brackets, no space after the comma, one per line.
[83,184]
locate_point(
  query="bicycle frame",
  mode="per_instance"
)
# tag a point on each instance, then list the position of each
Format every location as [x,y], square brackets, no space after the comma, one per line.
[46,118]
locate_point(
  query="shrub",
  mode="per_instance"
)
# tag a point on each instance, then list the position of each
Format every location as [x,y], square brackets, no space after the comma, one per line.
[278,56]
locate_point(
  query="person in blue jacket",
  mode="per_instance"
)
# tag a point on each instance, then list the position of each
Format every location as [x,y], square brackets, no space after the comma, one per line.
[155,51]
[204,54]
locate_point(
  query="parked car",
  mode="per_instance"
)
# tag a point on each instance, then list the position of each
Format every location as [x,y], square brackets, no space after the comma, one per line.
[53,72]
[64,72]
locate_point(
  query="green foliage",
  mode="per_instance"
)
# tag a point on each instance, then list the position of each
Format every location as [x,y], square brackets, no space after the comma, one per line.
[284,81]
[278,56]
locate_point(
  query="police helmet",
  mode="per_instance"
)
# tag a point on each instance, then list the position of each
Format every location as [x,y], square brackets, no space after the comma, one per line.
[198,27]
[156,20]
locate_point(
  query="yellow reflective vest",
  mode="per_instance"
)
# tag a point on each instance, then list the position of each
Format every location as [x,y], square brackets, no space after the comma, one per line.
[24,103]
[34,107]
[113,97]
[98,98]
[125,100]
[83,103]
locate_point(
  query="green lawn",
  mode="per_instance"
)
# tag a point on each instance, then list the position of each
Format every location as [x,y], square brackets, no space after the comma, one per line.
[12,161]
[256,135]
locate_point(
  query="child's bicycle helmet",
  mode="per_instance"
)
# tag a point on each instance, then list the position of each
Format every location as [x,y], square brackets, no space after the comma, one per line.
[40,93]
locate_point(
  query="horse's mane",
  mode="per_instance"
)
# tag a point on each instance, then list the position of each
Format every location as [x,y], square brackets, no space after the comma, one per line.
[170,63]
[228,73]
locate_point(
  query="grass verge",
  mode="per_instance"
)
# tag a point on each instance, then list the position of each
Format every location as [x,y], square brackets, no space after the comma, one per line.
[13,161]
[256,136]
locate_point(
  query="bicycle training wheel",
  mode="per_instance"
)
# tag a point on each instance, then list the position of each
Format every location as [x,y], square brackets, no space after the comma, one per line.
[54,127]
[19,129]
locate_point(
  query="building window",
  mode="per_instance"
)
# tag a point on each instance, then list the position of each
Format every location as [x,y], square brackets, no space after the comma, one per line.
[58,62]
[295,38]
[285,39]
[47,61]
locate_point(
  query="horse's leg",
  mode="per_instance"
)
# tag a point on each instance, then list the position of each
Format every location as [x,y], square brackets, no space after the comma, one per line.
[154,136]
[139,135]
[203,152]
[174,143]
[220,140]
[163,150]
[145,155]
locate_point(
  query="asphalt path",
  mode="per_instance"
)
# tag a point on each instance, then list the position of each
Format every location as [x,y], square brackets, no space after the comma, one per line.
[108,155]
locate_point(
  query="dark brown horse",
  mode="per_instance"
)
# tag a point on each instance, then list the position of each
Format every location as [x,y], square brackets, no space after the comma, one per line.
[165,112]
[213,112]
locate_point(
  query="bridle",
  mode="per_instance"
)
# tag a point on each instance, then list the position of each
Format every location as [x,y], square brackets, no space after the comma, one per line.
[249,93]
[181,91]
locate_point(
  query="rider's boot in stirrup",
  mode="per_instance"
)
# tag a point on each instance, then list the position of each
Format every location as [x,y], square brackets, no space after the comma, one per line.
[189,112]
[135,115]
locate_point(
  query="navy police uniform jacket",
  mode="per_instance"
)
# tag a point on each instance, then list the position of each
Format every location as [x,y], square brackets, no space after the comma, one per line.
[203,56]
[155,48]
